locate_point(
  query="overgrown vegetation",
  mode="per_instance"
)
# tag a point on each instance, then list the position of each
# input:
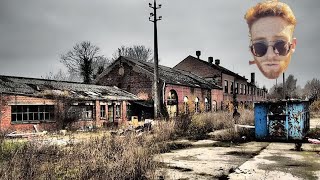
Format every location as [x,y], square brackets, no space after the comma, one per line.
[107,156]
[315,109]
[199,125]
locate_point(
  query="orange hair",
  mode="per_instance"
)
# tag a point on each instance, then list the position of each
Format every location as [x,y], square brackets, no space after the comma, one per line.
[270,8]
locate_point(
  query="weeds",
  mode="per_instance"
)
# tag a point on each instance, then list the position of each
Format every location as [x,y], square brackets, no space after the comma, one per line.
[105,156]
[100,158]
[202,124]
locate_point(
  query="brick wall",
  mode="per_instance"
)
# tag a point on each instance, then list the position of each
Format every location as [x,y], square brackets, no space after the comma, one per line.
[5,121]
[204,70]
[7,125]
[191,93]
[137,83]
[197,67]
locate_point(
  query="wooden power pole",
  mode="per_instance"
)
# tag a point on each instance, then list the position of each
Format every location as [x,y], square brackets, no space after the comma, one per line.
[153,18]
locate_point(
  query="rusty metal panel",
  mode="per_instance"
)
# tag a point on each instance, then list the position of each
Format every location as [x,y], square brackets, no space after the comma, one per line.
[285,120]
[277,118]
[298,119]
[260,114]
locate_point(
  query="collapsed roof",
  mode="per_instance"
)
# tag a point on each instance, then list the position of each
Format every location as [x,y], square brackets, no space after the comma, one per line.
[52,88]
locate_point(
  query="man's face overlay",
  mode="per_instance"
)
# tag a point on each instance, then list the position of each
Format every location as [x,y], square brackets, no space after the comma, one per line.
[272,45]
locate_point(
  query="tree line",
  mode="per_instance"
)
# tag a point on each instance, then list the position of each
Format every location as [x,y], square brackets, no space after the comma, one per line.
[291,90]
[84,63]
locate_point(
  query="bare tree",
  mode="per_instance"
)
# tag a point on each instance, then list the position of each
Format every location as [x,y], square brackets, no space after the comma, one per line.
[82,59]
[99,65]
[276,91]
[312,89]
[291,87]
[139,52]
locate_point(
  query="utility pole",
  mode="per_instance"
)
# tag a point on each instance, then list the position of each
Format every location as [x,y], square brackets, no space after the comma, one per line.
[156,61]
[284,86]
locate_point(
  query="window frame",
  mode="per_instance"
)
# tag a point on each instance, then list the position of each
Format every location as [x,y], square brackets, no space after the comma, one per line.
[226,88]
[23,113]
[103,112]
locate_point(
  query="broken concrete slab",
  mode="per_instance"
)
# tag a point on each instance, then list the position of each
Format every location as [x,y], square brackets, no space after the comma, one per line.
[207,162]
[280,161]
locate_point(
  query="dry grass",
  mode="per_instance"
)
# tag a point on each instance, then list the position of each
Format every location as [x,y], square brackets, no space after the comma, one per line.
[104,156]
[315,109]
[101,157]
[202,124]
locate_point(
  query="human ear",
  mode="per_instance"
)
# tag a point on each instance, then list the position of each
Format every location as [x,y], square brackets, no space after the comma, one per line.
[252,62]
[294,43]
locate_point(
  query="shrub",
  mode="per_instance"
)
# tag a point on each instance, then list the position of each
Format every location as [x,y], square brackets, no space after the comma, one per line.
[315,109]
[202,124]
[182,123]
[100,158]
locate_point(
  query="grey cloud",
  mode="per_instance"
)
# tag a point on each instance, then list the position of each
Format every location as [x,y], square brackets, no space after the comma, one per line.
[34,33]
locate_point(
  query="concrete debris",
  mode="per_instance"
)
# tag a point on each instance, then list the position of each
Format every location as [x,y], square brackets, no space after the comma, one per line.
[25,135]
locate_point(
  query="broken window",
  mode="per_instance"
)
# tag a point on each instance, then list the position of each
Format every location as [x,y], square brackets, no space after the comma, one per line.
[231,88]
[237,88]
[32,113]
[244,89]
[87,113]
[225,86]
[81,112]
[129,111]
[103,111]
[118,110]
[110,112]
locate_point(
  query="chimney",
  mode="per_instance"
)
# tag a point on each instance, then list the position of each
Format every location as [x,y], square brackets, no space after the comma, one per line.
[198,53]
[253,78]
[217,62]
[210,60]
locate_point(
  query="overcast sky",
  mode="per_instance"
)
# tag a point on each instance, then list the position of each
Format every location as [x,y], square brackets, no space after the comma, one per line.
[34,33]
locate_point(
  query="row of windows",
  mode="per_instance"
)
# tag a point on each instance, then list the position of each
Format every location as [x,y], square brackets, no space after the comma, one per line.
[21,113]
[196,105]
[242,89]
[110,111]
[32,113]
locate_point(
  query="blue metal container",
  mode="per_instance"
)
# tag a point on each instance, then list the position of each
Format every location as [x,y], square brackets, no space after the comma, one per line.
[287,120]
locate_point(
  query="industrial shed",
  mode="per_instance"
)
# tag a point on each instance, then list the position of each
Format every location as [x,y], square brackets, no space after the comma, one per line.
[52,104]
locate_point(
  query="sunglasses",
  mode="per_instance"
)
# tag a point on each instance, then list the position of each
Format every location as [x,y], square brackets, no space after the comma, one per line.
[280,48]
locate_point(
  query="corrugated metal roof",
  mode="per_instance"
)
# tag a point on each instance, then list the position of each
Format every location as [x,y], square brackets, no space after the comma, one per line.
[52,88]
[174,76]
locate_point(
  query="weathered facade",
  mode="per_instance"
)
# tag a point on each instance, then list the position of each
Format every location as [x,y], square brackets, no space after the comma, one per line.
[51,104]
[234,85]
[181,91]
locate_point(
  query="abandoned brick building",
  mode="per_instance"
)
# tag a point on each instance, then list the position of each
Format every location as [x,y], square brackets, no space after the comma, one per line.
[193,85]
[181,91]
[233,84]
[51,104]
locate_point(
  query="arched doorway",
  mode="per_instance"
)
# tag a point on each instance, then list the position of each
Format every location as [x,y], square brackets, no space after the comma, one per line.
[214,105]
[196,105]
[172,103]
[207,105]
